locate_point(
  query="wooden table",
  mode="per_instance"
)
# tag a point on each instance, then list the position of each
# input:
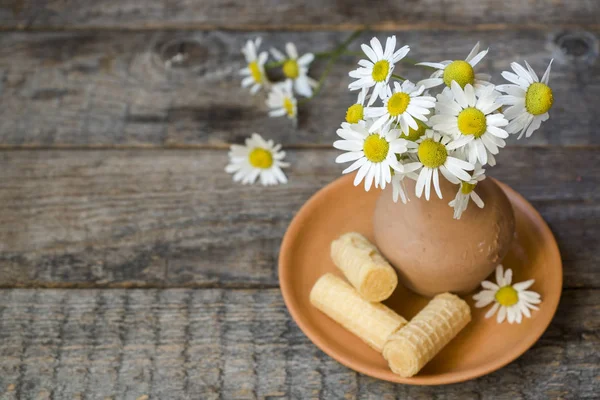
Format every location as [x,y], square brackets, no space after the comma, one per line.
[132,266]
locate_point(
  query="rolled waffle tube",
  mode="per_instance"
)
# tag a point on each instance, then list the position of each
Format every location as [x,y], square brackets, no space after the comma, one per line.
[363,266]
[372,322]
[413,346]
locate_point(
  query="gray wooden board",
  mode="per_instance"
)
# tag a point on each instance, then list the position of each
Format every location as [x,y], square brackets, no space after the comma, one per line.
[295,14]
[241,344]
[164,218]
[108,89]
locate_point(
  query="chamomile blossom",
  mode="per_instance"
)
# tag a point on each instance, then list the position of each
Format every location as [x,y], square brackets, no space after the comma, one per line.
[434,156]
[281,101]
[377,70]
[404,105]
[373,153]
[510,301]
[255,70]
[529,99]
[469,117]
[356,111]
[296,68]
[460,71]
[466,192]
[258,158]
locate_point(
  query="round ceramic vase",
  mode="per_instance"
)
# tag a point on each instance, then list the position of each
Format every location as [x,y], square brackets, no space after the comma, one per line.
[434,253]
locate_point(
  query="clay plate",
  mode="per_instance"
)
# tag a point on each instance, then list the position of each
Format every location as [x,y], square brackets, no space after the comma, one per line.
[482,347]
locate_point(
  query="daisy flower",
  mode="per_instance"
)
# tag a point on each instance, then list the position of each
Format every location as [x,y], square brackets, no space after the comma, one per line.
[466,191]
[255,70]
[296,68]
[470,119]
[355,112]
[460,71]
[403,106]
[258,158]
[529,99]
[433,155]
[374,154]
[281,101]
[511,301]
[377,70]
[398,187]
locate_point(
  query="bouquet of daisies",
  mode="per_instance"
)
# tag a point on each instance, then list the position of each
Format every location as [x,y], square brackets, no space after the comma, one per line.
[399,129]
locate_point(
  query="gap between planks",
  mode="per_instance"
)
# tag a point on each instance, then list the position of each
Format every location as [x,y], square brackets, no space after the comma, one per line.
[424,26]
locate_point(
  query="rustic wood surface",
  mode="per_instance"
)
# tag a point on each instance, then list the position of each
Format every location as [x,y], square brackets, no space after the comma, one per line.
[131,267]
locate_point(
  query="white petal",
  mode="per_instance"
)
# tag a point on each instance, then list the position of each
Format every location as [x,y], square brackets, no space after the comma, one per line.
[492,310]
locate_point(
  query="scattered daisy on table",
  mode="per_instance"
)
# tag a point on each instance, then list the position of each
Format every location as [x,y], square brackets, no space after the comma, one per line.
[254,72]
[296,68]
[281,101]
[258,158]
[373,154]
[466,192]
[461,71]
[511,302]
[529,99]
[377,70]
[470,117]
[433,157]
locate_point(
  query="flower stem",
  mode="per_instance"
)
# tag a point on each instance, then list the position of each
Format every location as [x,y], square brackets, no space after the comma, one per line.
[335,54]
[398,77]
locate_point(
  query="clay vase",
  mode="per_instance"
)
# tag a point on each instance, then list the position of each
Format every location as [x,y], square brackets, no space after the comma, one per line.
[434,253]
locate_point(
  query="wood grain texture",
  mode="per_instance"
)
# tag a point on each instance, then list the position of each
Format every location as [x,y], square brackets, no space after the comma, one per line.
[241,344]
[295,14]
[113,89]
[167,218]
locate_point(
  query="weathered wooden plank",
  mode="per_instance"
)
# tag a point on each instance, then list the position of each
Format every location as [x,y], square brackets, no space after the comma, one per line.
[107,89]
[210,14]
[164,218]
[212,343]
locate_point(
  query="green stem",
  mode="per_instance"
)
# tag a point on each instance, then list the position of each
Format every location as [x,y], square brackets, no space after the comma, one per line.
[335,54]
[398,77]
[274,64]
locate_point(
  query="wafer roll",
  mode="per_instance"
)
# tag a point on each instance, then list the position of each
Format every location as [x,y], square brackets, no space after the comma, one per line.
[363,266]
[413,346]
[372,322]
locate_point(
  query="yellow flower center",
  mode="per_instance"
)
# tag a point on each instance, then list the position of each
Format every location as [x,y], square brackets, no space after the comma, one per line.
[432,154]
[289,106]
[471,121]
[260,158]
[380,70]
[466,187]
[459,71]
[507,296]
[376,148]
[290,69]
[414,134]
[354,113]
[538,98]
[255,72]
[398,103]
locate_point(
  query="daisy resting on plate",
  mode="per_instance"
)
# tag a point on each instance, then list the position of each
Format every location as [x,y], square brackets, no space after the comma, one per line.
[529,99]
[470,117]
[377,70]
[433,157]
[373,153]
[510,301]
[296,69]
[460,71]
[281,101]
[255,71]
[466,192]
[356,112]
[404,105]
[257,158]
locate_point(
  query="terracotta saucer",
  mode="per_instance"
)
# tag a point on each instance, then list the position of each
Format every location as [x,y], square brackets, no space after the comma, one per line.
[482,347]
